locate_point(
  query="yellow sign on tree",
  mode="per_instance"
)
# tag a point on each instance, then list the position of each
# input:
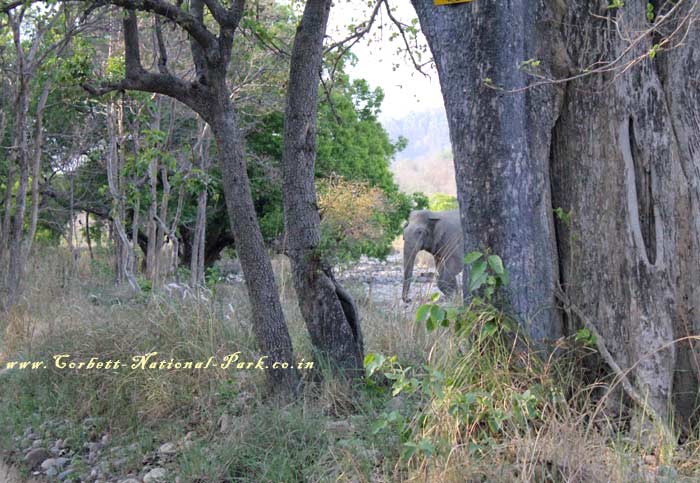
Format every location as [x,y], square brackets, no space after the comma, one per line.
[450,2]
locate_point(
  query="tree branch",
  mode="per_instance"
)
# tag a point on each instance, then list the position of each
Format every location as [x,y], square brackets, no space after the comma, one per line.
[166,84]
[160,43]
[196,29]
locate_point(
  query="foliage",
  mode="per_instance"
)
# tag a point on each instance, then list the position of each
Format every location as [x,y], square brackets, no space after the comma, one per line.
[442,202]
[351,214]
[485,271]
[352,145]
[474,394]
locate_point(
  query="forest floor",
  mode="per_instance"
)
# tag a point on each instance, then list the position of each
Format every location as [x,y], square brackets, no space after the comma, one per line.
[477,405]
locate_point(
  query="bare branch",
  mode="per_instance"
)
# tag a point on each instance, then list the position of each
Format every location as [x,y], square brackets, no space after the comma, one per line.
[197,30]
[166,84]
[358,34]
[401,26]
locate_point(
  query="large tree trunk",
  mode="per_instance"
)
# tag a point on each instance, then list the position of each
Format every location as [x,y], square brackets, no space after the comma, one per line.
[328,309]
[619,150]
[269,327]
[625,159]
[500,143]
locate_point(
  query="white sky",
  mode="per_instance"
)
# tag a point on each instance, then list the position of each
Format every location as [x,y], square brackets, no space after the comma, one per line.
[406,90]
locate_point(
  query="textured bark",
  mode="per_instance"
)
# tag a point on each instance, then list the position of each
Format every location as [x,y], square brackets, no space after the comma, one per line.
[328,309]
[625,163]
[124,258]
[620,151]
[200,235]
[500,142]
[270,327]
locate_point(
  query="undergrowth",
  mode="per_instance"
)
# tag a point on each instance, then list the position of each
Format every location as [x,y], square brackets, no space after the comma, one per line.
[457,395]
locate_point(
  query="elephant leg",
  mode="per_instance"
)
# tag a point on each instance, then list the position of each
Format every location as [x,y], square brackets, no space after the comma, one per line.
[447,283]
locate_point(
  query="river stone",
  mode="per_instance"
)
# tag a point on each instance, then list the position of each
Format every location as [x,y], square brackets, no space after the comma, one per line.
[65,474]
[167,449]
[36,456]
[51,463]
[156,475]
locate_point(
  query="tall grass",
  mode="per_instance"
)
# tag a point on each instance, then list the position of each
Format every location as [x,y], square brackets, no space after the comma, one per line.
[477,405]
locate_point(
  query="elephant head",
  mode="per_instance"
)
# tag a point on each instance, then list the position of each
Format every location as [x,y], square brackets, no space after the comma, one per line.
[417,236]
[439,233]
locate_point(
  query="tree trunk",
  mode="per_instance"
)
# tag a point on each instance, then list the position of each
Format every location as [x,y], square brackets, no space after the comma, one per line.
[199,237]
[14,262]
[329,311]
[501,142]
[626,150]
[619,151]
[123,249]
[269,326]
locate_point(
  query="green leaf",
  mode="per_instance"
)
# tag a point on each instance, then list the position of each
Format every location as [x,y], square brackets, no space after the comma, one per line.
[379,425]
[477,276]
[478,268]
[496,264]
[471,257]
[437,314]
[489,328]
[476,283]
[426,446]
[423,312]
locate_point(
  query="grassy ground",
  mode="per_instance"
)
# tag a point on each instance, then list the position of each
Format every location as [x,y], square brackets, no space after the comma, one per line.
[438,406]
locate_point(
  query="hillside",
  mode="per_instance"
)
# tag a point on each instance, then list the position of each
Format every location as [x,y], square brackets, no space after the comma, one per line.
[426,163]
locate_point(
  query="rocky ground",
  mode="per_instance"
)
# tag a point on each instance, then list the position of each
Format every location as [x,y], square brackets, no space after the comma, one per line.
[61,460]
[380,281]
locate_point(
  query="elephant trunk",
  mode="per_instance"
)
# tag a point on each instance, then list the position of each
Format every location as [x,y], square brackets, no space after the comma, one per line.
[409,257]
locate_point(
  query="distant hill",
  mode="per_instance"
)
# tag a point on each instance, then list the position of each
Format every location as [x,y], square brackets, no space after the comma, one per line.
[426,163]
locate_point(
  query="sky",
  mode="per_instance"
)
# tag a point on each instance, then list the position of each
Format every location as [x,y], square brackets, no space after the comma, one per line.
[406,90]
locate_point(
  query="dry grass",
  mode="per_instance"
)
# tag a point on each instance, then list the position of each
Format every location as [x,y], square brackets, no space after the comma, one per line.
[81,314]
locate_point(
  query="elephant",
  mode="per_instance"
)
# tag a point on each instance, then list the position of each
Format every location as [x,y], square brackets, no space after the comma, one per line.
[440,234]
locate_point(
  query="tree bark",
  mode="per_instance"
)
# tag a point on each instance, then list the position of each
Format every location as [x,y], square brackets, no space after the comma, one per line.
[329,311]
[501,142]
[269,327]
[626,151]
[618,149]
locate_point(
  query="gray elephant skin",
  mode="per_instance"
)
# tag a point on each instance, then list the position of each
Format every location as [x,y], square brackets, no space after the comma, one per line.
[440,234]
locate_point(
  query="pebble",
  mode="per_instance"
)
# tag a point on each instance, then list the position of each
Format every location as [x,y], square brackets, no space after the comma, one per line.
[224,423]
[36,456]
[120,463]
[52,463]
[167,449]
[155,475]
[65,474]
[129,480]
